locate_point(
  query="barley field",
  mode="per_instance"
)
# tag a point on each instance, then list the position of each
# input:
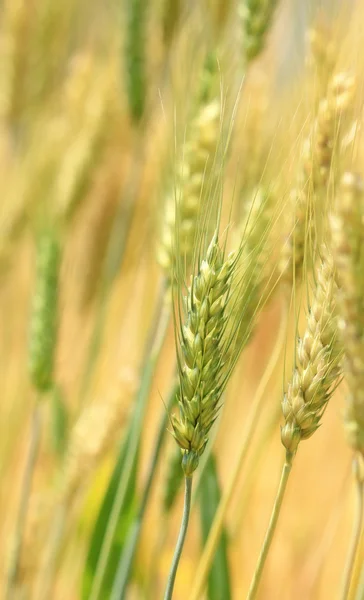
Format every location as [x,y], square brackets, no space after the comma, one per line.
[181,300]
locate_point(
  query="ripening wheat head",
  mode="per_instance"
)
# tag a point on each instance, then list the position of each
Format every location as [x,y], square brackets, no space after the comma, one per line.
[207,347]
[347,229]
[317,366]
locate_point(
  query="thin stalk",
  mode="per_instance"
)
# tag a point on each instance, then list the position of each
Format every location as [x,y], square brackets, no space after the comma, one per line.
[24,499]
[181,539]
[136,426]
[218,524]
[271,527]
[130,546]
[354,544]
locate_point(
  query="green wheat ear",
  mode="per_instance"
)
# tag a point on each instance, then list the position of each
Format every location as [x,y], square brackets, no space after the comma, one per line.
[257,17]
[135,57]
[201,351]
[44,316]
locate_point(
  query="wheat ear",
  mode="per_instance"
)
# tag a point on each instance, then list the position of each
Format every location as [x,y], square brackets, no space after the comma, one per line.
[200,355]
[183,207]
[318,156]
[257,17]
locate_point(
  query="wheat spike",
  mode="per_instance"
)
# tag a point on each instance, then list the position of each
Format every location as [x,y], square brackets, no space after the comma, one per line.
[183,208]
[319,150]
[44,318]
[201,350]
[257,16]
[317,369]
[307,198]
[347,228]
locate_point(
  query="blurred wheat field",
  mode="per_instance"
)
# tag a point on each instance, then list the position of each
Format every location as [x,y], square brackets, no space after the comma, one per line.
[130,131]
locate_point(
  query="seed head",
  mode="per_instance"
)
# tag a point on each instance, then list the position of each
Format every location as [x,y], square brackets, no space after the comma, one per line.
[202,352]
[44,317]
[347,230]
[183,208]
[319,150]
[317,369]
[257,16]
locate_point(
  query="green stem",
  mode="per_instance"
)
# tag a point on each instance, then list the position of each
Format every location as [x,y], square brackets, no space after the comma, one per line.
[181,539]
[127,556]
[24,499]
[271,527]
[153,352]
[354,544]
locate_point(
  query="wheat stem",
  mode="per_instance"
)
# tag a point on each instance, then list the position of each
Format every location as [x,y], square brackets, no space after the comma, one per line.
[181,539]
[135,432]
[218,524]
[271,527]
[24,499]
[356,534]
[130,546]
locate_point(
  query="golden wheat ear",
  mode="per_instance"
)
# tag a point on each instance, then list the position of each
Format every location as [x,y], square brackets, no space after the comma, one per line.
[317,370]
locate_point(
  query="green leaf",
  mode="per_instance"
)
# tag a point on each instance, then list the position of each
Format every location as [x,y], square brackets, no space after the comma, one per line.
[209,496]
[126,517]
[58,422]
